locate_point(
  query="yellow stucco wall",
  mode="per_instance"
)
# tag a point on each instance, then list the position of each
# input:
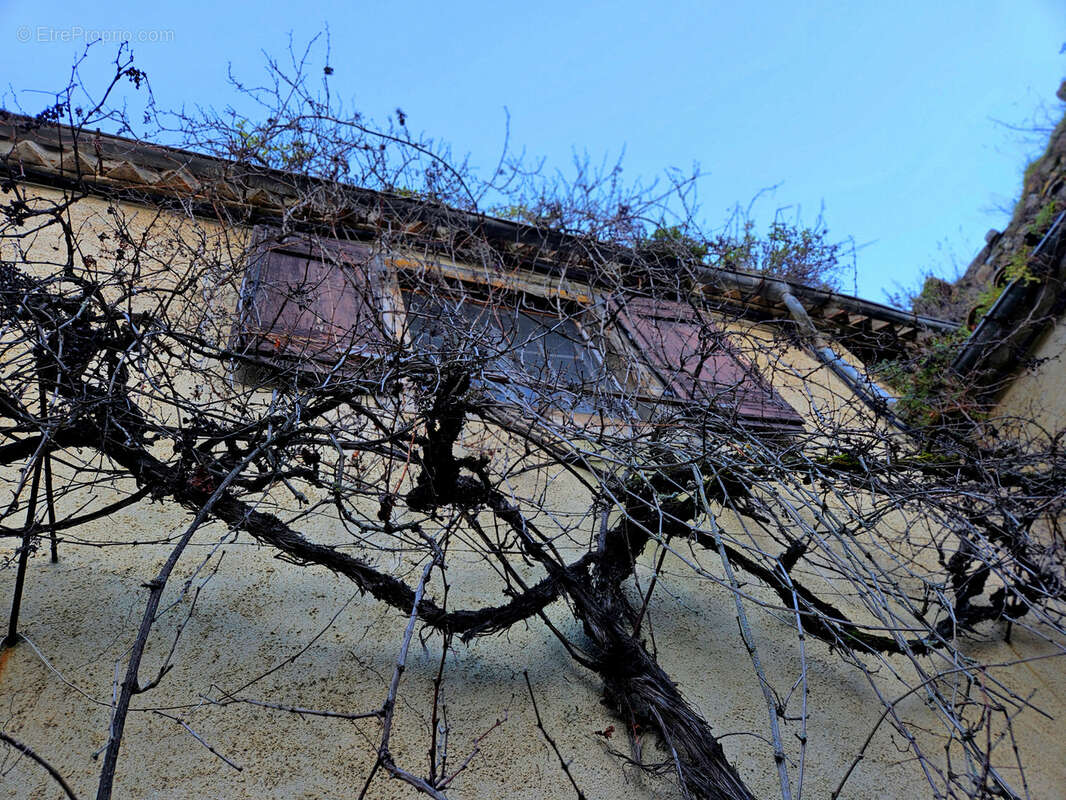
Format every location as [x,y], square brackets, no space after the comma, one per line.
[1038,393]
[320,645]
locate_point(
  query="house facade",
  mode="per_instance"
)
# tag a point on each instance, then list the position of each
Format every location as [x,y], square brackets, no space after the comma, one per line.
[461,507]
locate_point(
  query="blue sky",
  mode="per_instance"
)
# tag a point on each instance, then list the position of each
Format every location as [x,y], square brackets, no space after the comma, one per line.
[882,113]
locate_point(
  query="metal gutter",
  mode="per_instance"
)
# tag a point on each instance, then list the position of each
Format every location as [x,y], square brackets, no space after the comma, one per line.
[872,394]
[996,328]
[785,292]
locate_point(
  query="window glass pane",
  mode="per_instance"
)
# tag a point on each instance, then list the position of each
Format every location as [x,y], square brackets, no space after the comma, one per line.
[532,356]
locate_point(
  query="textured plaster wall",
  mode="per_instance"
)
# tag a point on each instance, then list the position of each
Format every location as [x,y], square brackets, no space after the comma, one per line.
[256,614]
[1038,393]
[325,647]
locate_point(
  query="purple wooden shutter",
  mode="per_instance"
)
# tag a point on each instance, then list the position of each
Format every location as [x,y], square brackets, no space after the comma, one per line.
[313,301]
[697,363]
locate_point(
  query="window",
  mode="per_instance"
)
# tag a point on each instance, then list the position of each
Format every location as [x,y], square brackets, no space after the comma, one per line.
[308,302]
[527,349]
[694,362]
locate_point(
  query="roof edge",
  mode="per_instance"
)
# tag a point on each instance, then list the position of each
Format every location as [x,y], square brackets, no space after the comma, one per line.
[54,154]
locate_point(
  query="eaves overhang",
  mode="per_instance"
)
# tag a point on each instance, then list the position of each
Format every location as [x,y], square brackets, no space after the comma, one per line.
[136,171]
